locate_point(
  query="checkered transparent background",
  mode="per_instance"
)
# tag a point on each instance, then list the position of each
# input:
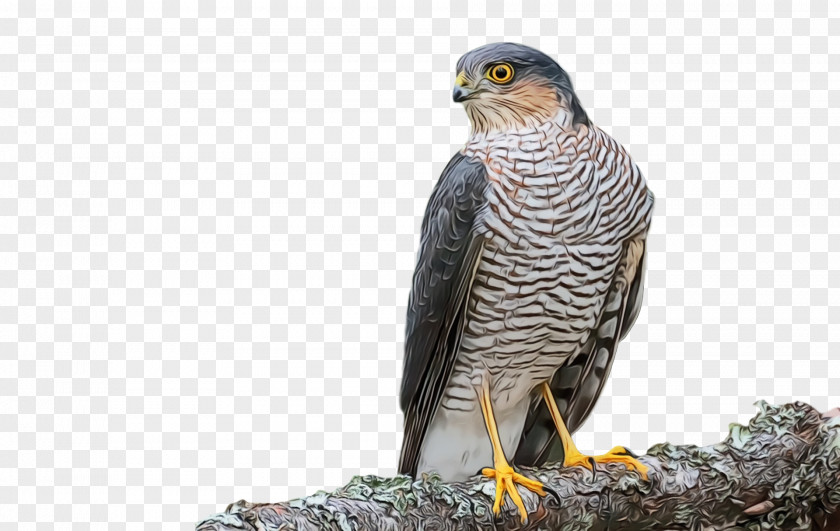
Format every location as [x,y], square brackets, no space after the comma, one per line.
[209,216]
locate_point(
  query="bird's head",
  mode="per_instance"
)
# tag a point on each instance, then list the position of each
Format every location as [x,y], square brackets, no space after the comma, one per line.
[507,86]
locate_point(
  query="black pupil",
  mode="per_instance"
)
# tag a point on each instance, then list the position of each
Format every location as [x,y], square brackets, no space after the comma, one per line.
[501,72]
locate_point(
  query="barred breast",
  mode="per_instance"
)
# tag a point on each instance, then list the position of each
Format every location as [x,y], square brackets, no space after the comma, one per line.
[560,206]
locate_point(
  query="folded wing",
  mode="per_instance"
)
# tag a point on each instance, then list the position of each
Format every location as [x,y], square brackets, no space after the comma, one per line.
[449,255]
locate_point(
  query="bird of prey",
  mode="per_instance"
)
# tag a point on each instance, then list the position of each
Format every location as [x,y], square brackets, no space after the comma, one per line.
[529,273]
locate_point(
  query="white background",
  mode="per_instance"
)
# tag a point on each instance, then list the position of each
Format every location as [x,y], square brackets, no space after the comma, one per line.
[209,218]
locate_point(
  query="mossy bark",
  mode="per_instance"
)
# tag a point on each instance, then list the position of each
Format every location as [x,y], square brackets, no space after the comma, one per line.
[781,471]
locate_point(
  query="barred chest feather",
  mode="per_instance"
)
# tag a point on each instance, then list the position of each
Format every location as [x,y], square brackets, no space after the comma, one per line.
[561,203]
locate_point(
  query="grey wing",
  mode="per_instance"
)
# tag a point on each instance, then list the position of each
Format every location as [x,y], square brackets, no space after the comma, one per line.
[449,255]
[578,384]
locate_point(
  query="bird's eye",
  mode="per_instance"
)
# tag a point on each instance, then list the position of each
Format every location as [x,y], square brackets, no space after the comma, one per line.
[500,73]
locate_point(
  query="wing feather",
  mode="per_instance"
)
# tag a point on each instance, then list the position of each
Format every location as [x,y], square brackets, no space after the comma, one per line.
[449,255]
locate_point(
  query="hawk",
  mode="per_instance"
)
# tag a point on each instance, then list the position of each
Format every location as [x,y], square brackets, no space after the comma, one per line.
[529,273]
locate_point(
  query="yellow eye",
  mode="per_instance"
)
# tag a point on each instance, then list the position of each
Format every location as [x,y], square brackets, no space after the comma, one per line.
[500,73]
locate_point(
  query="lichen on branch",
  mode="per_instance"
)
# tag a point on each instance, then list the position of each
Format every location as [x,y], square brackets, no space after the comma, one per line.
[779,472]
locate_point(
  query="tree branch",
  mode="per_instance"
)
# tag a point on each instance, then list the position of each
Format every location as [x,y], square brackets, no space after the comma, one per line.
[782,471]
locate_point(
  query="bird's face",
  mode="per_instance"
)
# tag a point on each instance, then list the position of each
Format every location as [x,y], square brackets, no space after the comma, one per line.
[506,86]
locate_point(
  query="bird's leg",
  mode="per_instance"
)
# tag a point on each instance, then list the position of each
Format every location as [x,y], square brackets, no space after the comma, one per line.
[573,457]
[506,477]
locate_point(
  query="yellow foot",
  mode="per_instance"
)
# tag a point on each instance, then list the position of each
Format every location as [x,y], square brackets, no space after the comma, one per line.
[619,454]
[506,481]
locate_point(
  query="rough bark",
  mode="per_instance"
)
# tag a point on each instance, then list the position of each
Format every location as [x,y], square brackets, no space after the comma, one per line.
[781,471]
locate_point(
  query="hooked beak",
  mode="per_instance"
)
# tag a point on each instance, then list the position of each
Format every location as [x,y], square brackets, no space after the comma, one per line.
[460,94]
[461,91]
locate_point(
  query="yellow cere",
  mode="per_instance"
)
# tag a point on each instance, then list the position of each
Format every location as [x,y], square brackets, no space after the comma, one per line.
[461,80]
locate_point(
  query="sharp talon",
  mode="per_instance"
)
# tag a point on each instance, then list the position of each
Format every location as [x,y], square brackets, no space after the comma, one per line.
[622,450]
[619,454]
[553,494]
[497,505]
[510,487]
[507,480]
